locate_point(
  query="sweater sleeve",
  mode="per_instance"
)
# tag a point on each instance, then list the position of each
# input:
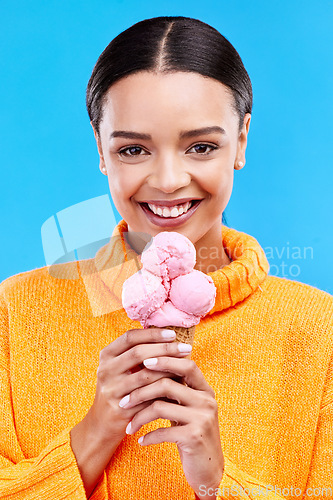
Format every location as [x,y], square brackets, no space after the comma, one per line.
[237,484]
[53,474]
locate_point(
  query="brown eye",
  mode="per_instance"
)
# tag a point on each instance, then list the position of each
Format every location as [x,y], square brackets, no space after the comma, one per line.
[201,149]
[131,151]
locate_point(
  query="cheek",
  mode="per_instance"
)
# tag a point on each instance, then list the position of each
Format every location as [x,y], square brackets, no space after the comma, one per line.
[123,183]
[218,181]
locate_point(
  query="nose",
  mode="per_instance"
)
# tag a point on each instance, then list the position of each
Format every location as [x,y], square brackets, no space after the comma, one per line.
[169,174]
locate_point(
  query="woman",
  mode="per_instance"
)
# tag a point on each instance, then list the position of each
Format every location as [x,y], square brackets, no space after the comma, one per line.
[170,103]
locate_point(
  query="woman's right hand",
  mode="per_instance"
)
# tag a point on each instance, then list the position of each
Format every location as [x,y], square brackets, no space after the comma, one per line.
[95,439]
[120,372]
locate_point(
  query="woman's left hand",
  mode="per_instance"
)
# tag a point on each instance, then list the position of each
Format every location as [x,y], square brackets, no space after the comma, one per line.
[194,409]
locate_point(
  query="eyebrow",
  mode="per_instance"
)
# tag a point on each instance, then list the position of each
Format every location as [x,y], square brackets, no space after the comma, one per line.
[183,135]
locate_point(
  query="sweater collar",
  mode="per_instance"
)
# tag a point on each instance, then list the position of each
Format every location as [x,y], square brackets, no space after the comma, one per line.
[116,261]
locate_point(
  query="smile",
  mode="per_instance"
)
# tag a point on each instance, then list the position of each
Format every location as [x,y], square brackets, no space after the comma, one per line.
[174,211]
[169,214]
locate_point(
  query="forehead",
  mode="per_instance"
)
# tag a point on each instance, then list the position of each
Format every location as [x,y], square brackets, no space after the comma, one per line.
[178,96]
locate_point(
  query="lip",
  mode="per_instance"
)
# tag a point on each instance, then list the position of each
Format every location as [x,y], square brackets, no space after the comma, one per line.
[169,221]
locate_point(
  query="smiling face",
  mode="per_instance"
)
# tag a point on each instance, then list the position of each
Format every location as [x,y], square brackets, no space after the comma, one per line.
[169,144]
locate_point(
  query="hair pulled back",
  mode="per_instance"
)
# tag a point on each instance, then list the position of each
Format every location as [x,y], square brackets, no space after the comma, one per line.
[168,44]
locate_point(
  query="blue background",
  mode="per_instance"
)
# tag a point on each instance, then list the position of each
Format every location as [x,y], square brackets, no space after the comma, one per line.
[48,157]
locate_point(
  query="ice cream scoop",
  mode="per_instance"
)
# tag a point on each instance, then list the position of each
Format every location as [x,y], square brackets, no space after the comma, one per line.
[142,294]
[193,293]
[169,253]
[168,314]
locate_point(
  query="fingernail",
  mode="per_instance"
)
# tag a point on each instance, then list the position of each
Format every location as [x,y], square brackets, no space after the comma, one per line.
[123,402]
[128,428]
[140,439]
[184,347]
[168,334]
[150,361]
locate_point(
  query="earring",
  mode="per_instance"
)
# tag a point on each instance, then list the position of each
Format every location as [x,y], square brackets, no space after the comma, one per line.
[104,169]
[240,164]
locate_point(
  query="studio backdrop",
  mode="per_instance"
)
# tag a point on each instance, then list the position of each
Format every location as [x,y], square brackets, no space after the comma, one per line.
[52,192]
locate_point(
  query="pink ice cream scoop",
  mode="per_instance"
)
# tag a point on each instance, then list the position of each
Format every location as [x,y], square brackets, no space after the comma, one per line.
[168,291]
[193,293]
[169,253]
[169,314]
[142,294]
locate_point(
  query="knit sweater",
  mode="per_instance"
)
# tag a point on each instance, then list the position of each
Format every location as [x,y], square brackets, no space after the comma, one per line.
[265,349]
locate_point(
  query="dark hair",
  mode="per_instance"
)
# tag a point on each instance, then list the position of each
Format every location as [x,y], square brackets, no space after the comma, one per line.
[165,45]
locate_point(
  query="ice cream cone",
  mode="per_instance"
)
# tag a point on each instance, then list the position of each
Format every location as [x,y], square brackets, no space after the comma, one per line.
[168,290]
[184,335]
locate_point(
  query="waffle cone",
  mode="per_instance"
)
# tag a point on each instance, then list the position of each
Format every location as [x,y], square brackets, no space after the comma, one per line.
[185,335]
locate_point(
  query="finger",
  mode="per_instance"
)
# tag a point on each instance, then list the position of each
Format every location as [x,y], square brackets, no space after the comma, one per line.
[121,417]
[139,379]
[128,414]
[138,353]
[163,435]
[160,409]
[185,368]
[138,336]
[164,388]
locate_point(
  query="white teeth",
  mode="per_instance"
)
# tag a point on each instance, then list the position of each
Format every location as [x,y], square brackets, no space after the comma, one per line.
[168,211]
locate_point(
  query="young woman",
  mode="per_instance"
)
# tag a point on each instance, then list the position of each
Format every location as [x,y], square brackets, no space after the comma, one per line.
[86,393]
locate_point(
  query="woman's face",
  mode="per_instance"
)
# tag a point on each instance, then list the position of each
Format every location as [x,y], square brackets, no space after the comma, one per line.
[169,144]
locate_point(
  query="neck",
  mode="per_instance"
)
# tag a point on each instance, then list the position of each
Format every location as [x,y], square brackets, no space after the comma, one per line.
[211,255]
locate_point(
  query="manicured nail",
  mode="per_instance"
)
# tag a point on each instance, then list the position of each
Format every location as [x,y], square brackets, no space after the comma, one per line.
[184,347]
[140,439]
[129,428]
[168,334]
[150,361]
[123,402]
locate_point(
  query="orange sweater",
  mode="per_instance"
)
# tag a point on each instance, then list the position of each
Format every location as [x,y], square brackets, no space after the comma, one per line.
[266,350]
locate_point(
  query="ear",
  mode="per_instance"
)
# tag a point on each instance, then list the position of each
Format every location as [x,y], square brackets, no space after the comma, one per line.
[242,142]
[102,165]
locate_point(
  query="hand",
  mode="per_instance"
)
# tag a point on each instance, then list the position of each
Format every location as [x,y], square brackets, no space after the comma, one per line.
[121,371]
[95,438]
[196,415]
